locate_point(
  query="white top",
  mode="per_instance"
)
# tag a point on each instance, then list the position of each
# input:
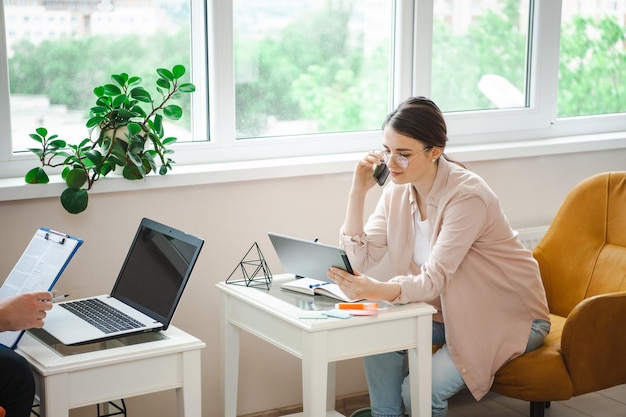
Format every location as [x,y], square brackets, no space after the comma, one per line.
[422,245]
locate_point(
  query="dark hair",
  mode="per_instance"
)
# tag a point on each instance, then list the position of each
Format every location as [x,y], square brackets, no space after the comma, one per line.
[420,118]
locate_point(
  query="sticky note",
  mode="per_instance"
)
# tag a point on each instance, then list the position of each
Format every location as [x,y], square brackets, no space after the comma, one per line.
[336,313]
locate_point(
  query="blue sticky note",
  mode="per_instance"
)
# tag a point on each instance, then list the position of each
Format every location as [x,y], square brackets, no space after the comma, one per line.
[336,313]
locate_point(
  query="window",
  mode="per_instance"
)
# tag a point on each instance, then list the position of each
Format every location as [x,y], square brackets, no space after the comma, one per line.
[480,55]
[281,78]
[592,67]
[314,67]
[52,77]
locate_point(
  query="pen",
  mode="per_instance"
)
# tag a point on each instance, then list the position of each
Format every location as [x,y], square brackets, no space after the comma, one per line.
[58,297]
[356,306]
[318,285]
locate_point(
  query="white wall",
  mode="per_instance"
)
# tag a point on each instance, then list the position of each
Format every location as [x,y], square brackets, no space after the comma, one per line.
[230,217]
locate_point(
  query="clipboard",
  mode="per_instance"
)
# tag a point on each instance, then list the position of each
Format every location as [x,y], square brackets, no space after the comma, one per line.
[38,269]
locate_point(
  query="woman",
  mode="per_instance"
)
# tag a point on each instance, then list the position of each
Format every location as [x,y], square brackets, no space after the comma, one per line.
[449,244]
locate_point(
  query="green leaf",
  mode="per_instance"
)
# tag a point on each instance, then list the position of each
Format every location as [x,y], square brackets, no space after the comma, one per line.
[99,109]
[42,131]
[169,140]
[134,80]
[118,155]
[165,73]
[106,168]
[112,90]
[163,83]
[126,114]
[132,172]
[58,144]
[157,125]
[141,94]
[99,91]
[37,176]
[94,156]
[136,145]
[187,88]
[133,128]
[163,170]
[75,178]
[173,111]
[120,78]
[74,200]
[93,122]
[84,142]
[135,159]
[139,111]
[36,137]
[178,71]
[118,101]
[104,101]
[36,151]
[148,158]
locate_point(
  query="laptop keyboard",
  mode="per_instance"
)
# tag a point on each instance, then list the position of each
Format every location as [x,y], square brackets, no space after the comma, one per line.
[101,315]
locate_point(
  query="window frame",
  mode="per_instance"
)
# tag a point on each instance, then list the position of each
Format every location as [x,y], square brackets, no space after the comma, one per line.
[213,73]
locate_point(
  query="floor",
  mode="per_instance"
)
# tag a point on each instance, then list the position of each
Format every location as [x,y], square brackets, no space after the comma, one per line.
[610,402]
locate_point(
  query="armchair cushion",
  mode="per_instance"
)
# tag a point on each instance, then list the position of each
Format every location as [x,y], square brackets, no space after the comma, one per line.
[540,374]
[593,343]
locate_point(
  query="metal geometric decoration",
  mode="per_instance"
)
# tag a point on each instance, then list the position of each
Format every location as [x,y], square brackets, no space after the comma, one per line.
[256,264]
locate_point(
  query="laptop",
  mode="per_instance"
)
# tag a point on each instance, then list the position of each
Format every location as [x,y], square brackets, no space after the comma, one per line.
[308,258]
[145,295]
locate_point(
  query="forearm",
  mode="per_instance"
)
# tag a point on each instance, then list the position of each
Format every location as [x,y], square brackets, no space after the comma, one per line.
[385,291]
[353,224]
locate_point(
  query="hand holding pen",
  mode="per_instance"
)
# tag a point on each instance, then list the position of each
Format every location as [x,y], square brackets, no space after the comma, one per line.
[58,298]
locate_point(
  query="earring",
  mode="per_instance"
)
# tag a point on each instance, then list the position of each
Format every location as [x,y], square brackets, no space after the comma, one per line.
[434,159]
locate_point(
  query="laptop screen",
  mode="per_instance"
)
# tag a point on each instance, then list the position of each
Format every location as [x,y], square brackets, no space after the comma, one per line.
[156,269]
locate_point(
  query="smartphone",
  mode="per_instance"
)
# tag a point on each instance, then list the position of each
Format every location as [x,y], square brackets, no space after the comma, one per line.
[381,172]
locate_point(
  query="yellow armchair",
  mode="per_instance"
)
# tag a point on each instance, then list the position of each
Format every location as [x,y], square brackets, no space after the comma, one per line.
[582,259]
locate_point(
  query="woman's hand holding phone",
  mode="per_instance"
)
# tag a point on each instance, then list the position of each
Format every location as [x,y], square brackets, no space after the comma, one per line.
[381,172]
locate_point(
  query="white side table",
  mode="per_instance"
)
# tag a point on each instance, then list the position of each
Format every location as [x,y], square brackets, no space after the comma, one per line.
[70,377]
[274,316]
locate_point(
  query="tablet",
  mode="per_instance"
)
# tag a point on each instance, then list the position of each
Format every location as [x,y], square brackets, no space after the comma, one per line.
[308,258]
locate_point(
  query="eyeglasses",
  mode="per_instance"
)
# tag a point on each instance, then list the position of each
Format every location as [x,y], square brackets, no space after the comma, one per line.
[400,160]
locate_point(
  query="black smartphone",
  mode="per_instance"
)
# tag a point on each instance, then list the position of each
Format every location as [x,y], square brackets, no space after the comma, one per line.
[381,172]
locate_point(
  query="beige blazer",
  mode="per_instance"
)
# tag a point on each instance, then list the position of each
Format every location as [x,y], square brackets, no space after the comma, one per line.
[484,282]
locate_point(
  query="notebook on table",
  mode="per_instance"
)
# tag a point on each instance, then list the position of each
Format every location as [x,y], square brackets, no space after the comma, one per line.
[145,295]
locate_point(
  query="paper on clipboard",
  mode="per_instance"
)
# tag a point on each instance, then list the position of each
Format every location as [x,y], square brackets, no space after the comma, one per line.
[38,269]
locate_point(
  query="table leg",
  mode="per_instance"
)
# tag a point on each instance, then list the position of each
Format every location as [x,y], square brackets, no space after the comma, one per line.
[53,396]
[189,396]
[420,366]
[315,373]
[231,336]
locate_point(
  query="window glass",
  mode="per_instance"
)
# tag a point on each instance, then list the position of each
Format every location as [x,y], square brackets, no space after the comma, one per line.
[592,69]
[479,58]
[60,50]
[311,66]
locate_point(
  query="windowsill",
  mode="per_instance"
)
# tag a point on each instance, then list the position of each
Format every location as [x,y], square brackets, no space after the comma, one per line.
[186,175]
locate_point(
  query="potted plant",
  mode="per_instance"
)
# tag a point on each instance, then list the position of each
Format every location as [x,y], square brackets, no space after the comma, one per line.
[125,130]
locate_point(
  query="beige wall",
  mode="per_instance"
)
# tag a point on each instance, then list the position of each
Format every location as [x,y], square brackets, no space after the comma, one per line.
[230,217]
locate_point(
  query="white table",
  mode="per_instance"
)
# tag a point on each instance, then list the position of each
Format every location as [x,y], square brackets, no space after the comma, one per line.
[274,316]
[69,377]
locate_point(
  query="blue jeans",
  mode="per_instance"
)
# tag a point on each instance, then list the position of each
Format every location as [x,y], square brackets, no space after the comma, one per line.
[388,382]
